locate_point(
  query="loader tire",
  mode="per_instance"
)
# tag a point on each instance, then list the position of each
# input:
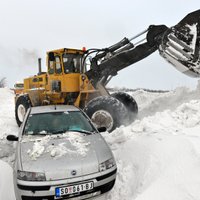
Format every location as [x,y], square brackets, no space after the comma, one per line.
[21,106]
[106,111]
[129,103]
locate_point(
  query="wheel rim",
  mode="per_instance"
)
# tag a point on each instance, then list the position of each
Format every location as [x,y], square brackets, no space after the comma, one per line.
[21,111]
[102,118]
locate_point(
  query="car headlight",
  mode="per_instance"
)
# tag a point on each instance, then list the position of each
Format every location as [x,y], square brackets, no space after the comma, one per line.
[31,176]
[106,165]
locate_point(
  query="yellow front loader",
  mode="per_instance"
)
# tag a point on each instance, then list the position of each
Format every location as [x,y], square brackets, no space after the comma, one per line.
[66,82]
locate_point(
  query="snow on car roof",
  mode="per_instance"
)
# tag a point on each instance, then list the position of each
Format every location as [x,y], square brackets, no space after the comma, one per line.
[52,108]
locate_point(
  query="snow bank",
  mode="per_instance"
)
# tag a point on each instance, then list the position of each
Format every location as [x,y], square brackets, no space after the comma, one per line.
[158,156]
[6,182]
[157,167]
[7,114]
[150,103]
[7,123]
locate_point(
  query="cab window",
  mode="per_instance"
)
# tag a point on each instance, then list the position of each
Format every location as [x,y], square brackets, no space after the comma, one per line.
[51,67]
[58,65]
[72,63]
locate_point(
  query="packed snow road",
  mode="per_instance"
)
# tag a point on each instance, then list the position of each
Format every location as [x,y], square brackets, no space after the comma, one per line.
[158,156]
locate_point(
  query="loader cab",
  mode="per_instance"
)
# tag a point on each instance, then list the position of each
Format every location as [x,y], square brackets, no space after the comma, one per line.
[65,61]
[64,70]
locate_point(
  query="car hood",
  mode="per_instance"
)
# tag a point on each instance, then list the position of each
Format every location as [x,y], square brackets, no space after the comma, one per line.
[61,155]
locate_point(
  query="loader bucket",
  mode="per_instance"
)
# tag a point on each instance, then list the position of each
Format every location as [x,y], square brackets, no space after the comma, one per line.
[181,45]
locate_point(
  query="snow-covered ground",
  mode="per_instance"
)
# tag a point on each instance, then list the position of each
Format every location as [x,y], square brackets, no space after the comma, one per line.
[158,155]
[7,126]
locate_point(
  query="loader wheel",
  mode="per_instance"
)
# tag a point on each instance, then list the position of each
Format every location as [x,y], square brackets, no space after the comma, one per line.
[129,103]
[106,111]
[22,105]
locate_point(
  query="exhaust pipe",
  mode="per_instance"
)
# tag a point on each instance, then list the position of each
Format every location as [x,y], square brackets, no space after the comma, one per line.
[39,66]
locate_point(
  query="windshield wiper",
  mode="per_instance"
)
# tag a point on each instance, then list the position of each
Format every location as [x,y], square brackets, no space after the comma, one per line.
[43,133]
[82,131]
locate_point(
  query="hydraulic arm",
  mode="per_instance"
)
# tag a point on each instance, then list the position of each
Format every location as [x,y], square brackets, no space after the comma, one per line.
[179,45]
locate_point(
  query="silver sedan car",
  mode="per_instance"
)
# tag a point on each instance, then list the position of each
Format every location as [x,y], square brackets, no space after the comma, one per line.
[61,155]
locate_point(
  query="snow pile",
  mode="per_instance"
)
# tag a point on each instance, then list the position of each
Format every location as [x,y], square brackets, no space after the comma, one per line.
[7,114]
[7,123]
[41,145]
[185,116]
[6,182]
[150,103]
[7,126]
[157,166]
[158,155]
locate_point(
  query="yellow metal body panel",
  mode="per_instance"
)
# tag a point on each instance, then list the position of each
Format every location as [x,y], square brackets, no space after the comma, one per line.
[35,82]
[69,82]
[67,50]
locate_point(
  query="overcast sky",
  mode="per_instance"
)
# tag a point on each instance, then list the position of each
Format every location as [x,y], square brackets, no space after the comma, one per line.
[29,28]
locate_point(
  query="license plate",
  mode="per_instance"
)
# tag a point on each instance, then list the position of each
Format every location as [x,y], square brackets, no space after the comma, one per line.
[74,189]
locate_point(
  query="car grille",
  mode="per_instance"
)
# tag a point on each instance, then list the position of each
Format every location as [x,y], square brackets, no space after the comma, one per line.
[102,189]
[106,175]
[33,188]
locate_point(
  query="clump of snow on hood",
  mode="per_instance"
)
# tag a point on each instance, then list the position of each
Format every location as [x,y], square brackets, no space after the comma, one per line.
[58,150]
[42,145]
[38,147]
[77,141]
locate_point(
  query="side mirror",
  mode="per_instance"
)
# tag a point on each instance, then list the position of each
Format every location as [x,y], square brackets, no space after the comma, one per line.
[101,129]
[51,56]
[12,138]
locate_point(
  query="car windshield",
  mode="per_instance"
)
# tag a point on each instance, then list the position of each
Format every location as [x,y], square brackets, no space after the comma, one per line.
[57,122]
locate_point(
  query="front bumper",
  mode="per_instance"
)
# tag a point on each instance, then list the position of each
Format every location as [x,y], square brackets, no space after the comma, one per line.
[29,190]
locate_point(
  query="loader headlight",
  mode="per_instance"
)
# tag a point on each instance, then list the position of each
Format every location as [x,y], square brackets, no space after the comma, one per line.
[106,165]
[31,176]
